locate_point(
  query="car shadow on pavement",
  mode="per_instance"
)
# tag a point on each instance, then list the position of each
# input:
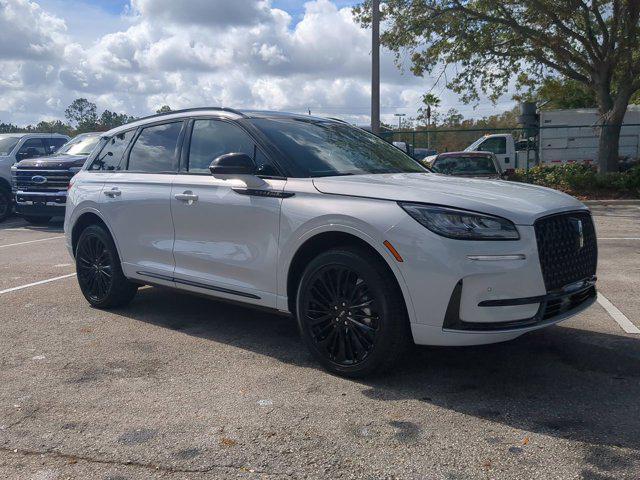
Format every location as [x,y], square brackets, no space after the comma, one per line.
[56,225]
[564,382]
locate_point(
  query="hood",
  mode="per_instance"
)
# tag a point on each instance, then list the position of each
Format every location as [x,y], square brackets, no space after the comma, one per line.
[521,203]
[53,162]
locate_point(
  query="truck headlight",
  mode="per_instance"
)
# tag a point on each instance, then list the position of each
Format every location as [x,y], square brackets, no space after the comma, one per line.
[461,224]
[75,170]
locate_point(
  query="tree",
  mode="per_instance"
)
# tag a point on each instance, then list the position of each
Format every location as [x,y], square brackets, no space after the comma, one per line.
[429,102]
[53,126]
[595,43]
[164,109]
[109,120]
[83,114]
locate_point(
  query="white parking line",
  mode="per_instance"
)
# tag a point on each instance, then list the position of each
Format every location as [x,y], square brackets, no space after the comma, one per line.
[619,238]
[8,290]
[617,315]
[31,241]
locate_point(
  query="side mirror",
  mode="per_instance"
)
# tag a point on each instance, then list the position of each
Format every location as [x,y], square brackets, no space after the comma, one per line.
[233,164]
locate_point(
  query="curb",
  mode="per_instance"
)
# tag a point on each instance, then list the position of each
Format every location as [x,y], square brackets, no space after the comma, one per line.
[612,202]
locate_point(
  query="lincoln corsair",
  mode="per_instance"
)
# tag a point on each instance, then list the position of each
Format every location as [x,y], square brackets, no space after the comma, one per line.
[318,219]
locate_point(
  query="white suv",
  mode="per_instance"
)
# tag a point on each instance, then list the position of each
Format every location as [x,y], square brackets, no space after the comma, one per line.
[329,223]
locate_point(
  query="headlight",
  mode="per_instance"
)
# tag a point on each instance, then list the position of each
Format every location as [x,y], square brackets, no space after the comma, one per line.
[461,224]
[75,170]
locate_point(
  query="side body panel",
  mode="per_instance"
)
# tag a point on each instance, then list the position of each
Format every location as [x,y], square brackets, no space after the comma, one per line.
[84,197]
[136,206]
[227,239]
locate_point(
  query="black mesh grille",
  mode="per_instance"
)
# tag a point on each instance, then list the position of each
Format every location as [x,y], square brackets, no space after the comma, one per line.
[567,248]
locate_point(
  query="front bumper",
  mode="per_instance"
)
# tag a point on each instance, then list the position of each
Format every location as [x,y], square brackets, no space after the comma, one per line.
[43,204]
[456,299]
[549,307]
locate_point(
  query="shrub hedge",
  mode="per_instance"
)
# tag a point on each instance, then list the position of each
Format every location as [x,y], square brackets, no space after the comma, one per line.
[583,181]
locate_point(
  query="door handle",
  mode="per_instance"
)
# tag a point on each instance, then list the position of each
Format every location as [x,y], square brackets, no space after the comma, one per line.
[114,192]
[188,197]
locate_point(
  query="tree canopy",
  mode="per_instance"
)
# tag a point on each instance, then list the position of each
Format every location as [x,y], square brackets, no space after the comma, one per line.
[487,47]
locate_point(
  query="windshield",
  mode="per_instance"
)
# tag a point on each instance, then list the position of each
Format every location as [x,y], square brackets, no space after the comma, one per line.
[462,165]
[321,149]
[7,144]
[80,145]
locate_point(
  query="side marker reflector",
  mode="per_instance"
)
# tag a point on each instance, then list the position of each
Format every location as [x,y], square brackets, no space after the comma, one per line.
[393,251]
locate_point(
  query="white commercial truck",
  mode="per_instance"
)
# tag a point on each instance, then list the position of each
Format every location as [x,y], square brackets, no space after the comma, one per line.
[565,136]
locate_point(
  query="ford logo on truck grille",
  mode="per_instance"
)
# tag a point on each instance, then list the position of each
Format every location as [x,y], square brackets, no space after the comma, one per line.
[39,179]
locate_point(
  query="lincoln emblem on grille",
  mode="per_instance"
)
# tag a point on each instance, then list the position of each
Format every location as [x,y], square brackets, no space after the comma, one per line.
[39,179]
[577,224]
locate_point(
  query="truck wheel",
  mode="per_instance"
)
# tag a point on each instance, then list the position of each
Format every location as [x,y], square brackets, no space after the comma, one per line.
[99,271]
[36,219]
[6,203]
[351,313]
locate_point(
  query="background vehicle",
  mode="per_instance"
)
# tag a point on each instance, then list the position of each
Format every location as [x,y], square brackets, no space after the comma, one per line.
[467,164]
[420,153]
[19,146]
[40,184]
[322,220]
[565,136]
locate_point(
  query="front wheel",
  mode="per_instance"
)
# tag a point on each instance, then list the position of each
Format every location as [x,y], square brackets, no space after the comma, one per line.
[6,203]
[99,272]
[351,312]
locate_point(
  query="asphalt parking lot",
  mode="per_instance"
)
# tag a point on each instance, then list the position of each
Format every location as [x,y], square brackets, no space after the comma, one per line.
[182,387]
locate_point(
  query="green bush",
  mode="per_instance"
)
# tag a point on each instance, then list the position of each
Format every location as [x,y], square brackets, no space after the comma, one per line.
[582,180]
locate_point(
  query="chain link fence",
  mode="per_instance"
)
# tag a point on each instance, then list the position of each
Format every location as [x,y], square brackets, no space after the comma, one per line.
[521,148]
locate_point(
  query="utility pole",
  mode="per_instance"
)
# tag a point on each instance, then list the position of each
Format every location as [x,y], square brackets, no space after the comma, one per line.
[428,125]
[375,67]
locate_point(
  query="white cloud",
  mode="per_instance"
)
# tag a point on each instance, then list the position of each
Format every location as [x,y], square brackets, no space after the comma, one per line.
[185,53]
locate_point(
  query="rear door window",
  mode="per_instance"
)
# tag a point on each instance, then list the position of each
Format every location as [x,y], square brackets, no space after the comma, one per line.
[110,157]
[156,149]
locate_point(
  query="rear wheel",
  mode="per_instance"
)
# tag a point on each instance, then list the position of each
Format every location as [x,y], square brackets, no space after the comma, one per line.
[99,272]
[36,219]
[5,203]
[351,312]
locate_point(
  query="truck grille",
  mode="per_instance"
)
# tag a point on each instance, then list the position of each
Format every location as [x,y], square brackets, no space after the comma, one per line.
[56,180]
[567,248]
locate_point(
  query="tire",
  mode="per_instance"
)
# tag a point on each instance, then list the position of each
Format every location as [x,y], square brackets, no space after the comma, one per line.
[6,203]
[99,271]
[351,313]
[36,220]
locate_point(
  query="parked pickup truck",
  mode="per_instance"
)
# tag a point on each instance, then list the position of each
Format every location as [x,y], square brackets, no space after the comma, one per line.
[19,146]
[40,184]
[566,136]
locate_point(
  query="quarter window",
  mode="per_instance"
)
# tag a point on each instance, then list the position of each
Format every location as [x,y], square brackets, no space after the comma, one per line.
[110,157]
[156,149]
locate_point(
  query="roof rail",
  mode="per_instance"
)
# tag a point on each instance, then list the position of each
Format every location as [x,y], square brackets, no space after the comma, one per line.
[195,109]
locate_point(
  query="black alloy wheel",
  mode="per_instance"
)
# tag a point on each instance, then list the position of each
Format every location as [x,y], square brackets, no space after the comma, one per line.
[351,312]
[95,267]
[5,204]
[100,274]
[342,313]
